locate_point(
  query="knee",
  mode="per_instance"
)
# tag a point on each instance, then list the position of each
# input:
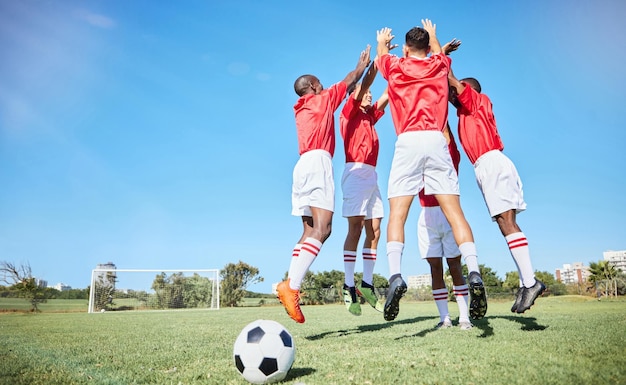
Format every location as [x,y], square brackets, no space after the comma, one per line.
[325,232]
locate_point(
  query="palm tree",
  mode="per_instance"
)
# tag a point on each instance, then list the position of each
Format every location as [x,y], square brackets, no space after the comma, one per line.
[604,274]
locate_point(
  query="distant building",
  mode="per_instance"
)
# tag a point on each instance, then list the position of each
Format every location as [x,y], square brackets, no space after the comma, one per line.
[417,281]
[62,287]
[42,283]
[576,272]
[616,258]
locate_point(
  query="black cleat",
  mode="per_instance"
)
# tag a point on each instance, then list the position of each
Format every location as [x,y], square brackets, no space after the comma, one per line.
[529,295]
[478,296]
[518,299]
[397,288]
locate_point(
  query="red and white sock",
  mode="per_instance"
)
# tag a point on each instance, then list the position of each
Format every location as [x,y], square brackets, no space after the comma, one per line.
[308,252]
[441,299]
[349,260]
[518,245]
[369,261]
[460,294]
[294,258]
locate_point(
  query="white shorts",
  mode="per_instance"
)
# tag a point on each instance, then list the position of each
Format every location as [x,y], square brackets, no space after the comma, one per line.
[434,234]
[313,183]
[361,195]
[422,160]
[499,182]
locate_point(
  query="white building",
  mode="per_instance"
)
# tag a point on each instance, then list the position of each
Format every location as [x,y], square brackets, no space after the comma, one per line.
[417,281]
[62,287]
[576,272]
[616,258]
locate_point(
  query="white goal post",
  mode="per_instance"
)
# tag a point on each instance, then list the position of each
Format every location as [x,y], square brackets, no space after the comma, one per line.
[114,289]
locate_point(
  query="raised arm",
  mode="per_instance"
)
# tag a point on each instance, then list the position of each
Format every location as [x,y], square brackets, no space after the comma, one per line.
[431,28]
[383,100]
[368,79]
[454,82]
[353,77]
[384,38]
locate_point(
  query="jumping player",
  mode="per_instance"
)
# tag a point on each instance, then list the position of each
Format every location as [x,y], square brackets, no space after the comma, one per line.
[497,179]
[313,189]
[436,241]
[418,97]
[362,202]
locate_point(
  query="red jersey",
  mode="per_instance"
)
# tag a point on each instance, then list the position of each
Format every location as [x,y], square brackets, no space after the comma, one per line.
[315,119]
[360,140]
[477,125]
[418,91]
[430,200]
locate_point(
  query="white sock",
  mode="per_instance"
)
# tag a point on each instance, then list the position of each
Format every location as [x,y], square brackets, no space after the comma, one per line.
[394,257]
[349,260]
[294,258]
[518,245]
[468,252]
[308,252]
[441,299]
[461,293]
[369,261]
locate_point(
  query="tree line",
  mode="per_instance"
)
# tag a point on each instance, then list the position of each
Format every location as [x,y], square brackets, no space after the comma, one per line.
[178,291]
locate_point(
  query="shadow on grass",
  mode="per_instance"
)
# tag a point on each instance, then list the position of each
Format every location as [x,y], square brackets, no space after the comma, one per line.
[366,328]
[295,373]
[529,324]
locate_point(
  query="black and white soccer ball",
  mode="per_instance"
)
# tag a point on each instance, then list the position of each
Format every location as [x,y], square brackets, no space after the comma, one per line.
[264,352]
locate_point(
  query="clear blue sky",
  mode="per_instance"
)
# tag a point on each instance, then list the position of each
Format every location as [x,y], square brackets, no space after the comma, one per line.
[161,134]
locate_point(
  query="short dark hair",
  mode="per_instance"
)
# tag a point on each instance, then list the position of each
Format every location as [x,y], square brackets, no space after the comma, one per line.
[473,83]
[302,83]
[417,38]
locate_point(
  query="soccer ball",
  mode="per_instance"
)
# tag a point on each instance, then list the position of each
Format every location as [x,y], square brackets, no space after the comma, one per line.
[264,352]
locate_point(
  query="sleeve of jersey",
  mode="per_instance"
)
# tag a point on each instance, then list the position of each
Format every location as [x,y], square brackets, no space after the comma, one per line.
[349,109]
[382,64]
[376,113]
[337,93]
[468,98]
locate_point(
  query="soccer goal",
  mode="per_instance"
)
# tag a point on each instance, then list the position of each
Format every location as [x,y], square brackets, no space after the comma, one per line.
[153,289]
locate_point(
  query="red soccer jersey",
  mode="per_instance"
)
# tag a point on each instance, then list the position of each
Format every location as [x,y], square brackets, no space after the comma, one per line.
[418,91]
[430,200]
[315,119]
[360,140]
[477,125]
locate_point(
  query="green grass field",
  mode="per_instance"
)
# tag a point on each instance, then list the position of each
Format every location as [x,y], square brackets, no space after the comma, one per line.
[562,340]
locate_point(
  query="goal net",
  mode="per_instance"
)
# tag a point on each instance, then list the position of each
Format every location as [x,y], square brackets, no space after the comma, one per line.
[150,289]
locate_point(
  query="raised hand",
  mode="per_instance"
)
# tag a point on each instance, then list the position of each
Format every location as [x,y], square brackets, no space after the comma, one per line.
[429,26]
[384,36]
[364,59]
[451,46]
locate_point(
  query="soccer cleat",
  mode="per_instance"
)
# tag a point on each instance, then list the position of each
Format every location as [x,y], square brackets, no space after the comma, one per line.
[290,299]
[465,325]
[350,299]
[478,296]
[529,295]
[397,288]
[366,291]
[518,299]
[444,324]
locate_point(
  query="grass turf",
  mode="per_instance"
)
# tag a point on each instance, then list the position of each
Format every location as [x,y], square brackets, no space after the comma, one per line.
[571,340]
